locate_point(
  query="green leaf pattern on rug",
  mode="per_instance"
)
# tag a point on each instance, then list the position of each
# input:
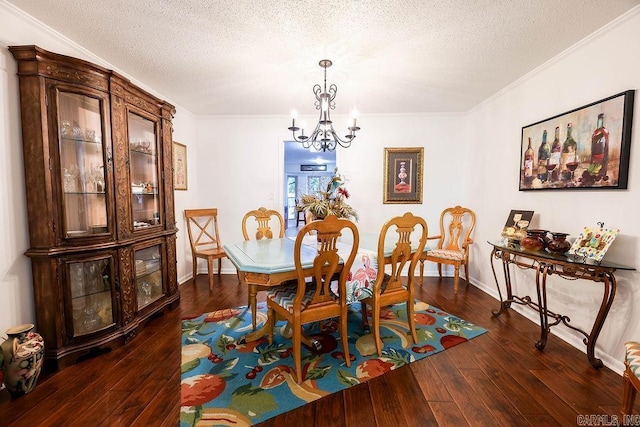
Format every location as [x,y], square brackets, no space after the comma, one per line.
[346,378]
[317,373]
[192,364]
[252,401]
[457,325]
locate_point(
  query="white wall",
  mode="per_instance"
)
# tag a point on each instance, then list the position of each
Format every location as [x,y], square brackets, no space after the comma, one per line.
[602,65]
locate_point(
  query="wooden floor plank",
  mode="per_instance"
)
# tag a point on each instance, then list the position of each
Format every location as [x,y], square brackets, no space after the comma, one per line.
[358,407]
[448,414]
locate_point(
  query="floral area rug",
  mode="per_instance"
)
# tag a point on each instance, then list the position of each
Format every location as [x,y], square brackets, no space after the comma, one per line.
[228,382]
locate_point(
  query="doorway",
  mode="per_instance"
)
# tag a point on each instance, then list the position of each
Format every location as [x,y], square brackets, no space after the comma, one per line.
[298,181]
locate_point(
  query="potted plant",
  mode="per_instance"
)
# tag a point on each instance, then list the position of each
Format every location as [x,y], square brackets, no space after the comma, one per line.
[332,201]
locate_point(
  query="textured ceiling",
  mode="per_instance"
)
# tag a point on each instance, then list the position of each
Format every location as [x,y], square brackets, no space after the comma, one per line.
[237,57]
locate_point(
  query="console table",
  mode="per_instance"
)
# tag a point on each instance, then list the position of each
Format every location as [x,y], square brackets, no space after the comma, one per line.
[567,267]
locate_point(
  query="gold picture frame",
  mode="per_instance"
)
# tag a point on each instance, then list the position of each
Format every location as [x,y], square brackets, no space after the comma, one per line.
[179,166]
[403,175]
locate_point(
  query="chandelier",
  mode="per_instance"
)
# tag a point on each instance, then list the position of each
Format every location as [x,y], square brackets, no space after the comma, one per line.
[324,137]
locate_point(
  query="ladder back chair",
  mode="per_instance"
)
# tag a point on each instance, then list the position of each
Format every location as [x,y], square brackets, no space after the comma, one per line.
[456,226]
[262,217]
[305,301]
[202,227]
[389,289]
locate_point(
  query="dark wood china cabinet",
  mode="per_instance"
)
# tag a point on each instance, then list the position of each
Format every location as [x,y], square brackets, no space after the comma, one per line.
[99,184]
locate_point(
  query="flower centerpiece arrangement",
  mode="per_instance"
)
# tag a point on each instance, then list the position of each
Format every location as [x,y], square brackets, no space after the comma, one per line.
[329,202]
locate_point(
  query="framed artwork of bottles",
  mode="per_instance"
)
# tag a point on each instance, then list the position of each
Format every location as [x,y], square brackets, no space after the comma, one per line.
[585,148]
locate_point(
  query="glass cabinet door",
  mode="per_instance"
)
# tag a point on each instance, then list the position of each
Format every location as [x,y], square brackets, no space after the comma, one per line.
[148,268]
[144,166]
[90,282]
[82,165]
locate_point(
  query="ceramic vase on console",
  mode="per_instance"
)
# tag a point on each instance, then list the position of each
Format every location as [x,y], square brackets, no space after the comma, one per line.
[558,243]
[22,357]
[535,240]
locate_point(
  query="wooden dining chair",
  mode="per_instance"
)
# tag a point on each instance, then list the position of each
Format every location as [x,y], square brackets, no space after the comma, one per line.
[300,216]
[261,230]
[390,288]
[202,227]
[456,226]
[262,217]
[313,300]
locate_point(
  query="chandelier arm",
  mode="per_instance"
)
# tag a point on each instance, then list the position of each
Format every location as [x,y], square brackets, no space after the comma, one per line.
[343,143]
[333,91]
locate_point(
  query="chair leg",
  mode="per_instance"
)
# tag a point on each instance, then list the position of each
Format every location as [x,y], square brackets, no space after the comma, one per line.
[219,266]
[297,352]
[440,270]
[628,395]
[364,324]
[421,271]
[456,278]
[345,335]
[195,269]
[210,272]
[411,319]
[375,317]
[466,271]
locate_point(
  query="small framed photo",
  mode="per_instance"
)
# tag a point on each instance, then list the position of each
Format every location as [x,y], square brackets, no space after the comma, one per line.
[179,166]
[403,175]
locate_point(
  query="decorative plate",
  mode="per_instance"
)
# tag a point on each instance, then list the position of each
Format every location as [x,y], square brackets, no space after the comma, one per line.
[592,243]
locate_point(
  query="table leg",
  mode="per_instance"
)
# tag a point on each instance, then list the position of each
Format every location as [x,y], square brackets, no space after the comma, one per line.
[504,304]
[541,290]
[609,283]
[253,303]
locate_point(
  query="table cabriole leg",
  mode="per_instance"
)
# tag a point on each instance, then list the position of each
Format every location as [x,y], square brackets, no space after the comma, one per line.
[503,305]
[541,290]
[609,293]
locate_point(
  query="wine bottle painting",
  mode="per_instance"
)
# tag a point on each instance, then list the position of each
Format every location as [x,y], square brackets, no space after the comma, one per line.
[590,147]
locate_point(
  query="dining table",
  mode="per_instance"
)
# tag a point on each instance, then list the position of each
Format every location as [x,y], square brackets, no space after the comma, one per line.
[270,262]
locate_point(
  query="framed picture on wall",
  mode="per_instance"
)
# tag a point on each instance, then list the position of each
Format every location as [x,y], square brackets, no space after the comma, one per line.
[402,175]
[179,166]
[585,148]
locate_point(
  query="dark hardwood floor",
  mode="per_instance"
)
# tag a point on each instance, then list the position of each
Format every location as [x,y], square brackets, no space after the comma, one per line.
[496,379]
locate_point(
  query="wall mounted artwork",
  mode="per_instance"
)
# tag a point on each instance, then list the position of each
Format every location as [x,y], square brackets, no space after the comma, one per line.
[402,175]
[585,148]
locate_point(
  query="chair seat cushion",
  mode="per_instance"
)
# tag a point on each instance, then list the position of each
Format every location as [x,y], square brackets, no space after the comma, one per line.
[632,357]
[284,294]
[446,254]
